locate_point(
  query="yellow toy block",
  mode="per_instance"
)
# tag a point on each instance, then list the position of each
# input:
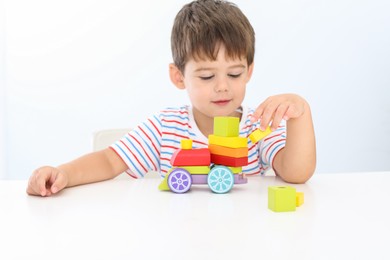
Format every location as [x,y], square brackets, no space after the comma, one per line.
[197,169]
[257,135]
[226,151]
[281,198]
[299,199]
[236,170]
[226,126]
[186,144]
[232,142]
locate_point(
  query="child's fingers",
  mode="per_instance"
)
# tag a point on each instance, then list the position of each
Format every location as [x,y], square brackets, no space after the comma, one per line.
[276,108]
[267,115]
[39,182]
[257,113]
[32,188]
[42,182]
[293,112]
[59,183]
[279,115]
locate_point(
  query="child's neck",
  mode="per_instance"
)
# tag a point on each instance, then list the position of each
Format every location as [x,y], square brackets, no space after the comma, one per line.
[206,128]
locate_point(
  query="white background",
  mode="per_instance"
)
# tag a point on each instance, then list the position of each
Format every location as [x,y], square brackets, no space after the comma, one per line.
[69,68]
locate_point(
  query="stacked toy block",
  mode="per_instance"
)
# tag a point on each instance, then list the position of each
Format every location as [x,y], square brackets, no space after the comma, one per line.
[225,145]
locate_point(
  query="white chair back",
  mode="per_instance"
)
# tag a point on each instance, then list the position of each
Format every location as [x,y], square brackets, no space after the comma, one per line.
[104,138]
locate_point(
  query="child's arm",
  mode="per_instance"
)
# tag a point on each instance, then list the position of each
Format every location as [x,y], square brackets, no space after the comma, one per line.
[296,162]
[93,167]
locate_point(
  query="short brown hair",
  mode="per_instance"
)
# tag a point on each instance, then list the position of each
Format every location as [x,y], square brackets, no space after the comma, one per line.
[201,26]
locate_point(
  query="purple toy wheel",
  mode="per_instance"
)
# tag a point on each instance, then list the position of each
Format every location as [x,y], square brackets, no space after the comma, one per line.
[179,180]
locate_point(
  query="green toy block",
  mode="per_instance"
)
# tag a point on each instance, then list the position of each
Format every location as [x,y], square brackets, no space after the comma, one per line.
[281,198]
[226,126]
[164,183]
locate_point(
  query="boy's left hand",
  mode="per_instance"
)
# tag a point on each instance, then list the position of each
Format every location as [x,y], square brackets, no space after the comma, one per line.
[278,107]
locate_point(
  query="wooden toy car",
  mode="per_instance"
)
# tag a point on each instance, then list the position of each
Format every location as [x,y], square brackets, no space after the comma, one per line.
[219,166]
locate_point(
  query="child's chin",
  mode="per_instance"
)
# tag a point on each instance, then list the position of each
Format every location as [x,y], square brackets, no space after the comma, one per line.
[226,113]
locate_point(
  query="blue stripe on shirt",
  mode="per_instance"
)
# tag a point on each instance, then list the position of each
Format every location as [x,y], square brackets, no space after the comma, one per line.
[150,148]
[174,116]
[139,152]
[171,140]
[158,120]
[177,128]
[128,158]
[167,153]
[255,153]
[151,131]
[165,165]
[251,169]
[275,148]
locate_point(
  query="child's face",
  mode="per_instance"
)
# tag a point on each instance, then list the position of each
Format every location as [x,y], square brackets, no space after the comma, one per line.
[216,88]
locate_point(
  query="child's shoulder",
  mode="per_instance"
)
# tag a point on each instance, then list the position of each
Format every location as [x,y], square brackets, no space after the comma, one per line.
[246,126]
[184,110]
[247,113]
[179,113]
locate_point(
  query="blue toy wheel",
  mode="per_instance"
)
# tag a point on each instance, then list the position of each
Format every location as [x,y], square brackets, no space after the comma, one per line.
[220,179]
[179,180]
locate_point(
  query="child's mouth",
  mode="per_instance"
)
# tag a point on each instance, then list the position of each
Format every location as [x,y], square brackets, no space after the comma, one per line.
[221,102]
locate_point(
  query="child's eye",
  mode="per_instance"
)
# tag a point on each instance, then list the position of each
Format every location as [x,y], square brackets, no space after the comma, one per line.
[235,75]
[206,78]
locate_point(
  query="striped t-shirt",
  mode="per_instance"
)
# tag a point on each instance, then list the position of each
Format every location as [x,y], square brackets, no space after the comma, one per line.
[149,146]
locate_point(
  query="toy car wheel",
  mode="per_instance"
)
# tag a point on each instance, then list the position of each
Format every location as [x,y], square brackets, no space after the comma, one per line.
[179,181]
[220,179]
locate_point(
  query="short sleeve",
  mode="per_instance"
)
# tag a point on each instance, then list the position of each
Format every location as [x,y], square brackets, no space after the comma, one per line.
[140,148]
[271,145]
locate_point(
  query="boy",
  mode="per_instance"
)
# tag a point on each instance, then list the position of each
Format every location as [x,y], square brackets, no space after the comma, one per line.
[213,51]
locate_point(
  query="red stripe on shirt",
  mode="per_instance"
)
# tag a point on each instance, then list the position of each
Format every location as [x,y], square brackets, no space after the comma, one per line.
[150,139]
[270,147]
[176,122]
[143,149]
[253,161]
[134,156]
[199,142]
[169,146]
[155,127]
[272,136]
[165,159]
[253,173]
[127,171]
[175,111]
[174,134]
[245,128]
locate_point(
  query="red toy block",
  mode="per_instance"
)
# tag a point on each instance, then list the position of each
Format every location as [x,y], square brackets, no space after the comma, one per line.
[193,157]
[229,161]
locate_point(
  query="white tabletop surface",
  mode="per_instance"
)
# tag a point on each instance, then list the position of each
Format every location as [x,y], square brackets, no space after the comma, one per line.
[345,216]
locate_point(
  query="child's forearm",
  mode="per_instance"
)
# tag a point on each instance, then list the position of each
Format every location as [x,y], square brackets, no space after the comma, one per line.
[297,161]
[93,167]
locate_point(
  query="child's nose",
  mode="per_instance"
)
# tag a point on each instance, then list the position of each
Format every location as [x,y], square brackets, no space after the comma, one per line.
[221,86]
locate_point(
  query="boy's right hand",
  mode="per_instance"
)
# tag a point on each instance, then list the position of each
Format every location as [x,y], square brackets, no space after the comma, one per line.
[46,181]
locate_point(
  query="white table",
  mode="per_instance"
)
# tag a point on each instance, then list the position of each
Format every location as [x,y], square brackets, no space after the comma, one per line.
[345,216]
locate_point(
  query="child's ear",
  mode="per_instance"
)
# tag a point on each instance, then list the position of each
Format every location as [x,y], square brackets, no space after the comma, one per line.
[176,76]
[250,71]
